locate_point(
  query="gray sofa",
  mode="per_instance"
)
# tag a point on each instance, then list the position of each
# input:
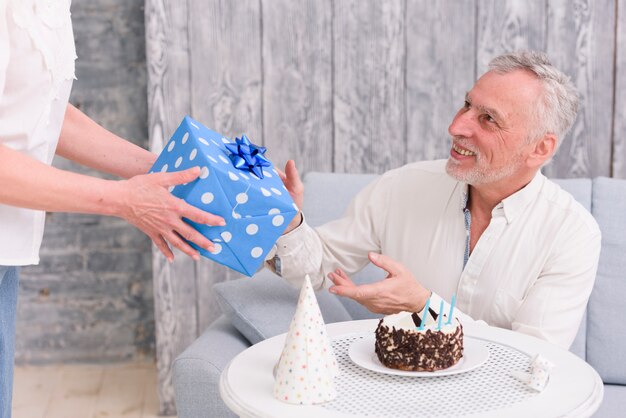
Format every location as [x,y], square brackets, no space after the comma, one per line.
[261,307]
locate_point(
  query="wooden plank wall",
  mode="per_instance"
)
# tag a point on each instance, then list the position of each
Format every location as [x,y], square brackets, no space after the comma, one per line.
[360,86]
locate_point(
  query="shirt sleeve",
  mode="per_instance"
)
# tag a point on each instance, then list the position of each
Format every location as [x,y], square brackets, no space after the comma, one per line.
[4,45]
[343,243]
[555,304]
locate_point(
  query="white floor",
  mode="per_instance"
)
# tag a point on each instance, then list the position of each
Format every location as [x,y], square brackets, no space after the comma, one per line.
[85,391]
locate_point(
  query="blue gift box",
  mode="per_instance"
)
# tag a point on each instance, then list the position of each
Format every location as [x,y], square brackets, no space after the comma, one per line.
[256,208]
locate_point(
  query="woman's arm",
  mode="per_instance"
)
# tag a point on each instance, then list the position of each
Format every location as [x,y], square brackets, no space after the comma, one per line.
[143,200]
[84,141]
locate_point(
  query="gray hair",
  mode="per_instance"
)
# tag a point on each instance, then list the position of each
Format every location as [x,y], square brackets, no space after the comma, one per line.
[556,110]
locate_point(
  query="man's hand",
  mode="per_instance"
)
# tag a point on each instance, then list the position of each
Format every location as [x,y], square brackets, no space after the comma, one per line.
[399,291]
[291,180]
[147,204]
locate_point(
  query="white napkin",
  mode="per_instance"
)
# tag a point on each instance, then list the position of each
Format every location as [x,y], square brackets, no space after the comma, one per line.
[307,366]
[539,374]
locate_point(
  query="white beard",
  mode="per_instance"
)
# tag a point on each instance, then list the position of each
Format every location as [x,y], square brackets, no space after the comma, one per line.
[481,173]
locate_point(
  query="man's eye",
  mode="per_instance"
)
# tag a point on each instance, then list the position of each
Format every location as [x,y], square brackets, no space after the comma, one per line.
[466,105]
[489,119]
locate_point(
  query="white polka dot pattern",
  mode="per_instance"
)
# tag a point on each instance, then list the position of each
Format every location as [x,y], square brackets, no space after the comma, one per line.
[255,210]
[241,198]
[364,392]
[207,198]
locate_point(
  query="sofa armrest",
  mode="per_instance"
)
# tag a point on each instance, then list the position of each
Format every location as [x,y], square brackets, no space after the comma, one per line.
[196,372]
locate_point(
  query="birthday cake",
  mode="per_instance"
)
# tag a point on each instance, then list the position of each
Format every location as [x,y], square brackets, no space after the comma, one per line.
[404,343]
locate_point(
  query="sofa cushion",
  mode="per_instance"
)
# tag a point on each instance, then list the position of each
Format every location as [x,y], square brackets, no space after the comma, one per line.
[327,195]
[263,306]
[196,372]
[612,405]
[606,335]
[581,190]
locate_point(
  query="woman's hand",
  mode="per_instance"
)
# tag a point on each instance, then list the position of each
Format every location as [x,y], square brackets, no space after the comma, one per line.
[145,202]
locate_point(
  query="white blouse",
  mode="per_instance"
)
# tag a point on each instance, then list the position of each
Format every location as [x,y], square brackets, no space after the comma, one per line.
[37,56]
[532,270]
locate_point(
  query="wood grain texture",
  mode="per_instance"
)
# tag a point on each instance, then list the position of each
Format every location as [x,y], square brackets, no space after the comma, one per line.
[369,85]
[297,83]
[76,394]
[86,391]
[436,84]
[580,40]
[225,49]
[508,25]
[168,100]
[122,394]
[619,123]
[32,390]
[355,86]
[226,74]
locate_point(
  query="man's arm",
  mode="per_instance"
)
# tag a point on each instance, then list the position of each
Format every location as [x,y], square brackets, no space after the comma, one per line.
[84,141]
[555,304]
[343,243]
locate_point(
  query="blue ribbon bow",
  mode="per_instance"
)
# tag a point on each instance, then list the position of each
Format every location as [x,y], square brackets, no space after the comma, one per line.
[247,156]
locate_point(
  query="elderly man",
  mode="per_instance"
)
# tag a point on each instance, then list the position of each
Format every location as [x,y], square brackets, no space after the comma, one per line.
[486,225]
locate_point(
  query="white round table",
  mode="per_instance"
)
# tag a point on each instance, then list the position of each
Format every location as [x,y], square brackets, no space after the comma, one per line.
[574,388]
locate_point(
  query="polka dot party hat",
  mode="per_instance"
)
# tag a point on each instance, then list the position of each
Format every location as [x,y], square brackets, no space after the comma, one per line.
[307,366]
[238,183]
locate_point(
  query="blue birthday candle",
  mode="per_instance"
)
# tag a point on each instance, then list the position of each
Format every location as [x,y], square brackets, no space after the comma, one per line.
[451,308]
[421,327]
[440,316]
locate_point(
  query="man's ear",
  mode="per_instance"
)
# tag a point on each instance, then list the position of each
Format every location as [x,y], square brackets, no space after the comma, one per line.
[543,150]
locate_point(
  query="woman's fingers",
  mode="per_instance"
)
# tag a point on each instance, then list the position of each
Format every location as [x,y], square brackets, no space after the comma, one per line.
[199,216]
[177,177]
[190,234]
[174,239]
[162,245]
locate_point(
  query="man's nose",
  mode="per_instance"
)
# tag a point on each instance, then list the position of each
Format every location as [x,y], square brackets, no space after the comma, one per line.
[462,124]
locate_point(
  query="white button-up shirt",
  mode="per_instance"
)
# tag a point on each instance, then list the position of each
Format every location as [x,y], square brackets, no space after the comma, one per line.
[532,270]
[37,56]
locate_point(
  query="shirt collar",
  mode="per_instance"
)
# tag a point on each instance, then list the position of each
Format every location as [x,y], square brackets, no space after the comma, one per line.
[513,205]
[518,201]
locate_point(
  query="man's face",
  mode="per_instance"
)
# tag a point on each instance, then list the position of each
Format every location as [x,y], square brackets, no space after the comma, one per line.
[489,133]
